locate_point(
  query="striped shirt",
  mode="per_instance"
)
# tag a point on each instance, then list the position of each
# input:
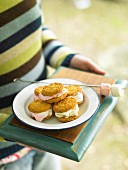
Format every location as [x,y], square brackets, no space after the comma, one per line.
[26,47]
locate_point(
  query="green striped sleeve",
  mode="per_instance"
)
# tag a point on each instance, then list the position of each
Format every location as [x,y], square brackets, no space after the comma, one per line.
[54,51]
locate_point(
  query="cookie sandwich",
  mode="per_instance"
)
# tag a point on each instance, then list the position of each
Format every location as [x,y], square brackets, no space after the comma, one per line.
[76,92]
[53,93]
[66,110]
[40,110]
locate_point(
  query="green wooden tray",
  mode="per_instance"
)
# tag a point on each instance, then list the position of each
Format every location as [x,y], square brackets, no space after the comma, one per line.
[74,151]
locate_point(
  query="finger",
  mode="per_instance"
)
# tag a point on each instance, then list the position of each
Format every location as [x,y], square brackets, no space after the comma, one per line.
[98,70]
[94,67]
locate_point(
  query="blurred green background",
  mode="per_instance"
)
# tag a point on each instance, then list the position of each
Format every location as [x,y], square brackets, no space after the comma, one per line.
[101,33]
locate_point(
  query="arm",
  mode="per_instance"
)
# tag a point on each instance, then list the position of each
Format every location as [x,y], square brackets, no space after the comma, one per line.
[55,52]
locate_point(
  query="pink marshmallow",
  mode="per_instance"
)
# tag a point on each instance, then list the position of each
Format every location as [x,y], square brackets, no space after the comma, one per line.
[105,89]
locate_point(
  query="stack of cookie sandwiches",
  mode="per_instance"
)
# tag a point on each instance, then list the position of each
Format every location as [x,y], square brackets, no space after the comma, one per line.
[56,100]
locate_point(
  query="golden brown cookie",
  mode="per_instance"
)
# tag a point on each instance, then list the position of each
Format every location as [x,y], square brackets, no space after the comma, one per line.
[65,105]
[52,89]
[69,119]
[38,90]
[73,89]
[38,106]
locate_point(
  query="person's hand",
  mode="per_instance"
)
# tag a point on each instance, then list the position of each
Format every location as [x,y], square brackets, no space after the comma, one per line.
[85,64]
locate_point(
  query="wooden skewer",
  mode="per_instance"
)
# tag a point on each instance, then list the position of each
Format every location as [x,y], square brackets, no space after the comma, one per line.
[87,85]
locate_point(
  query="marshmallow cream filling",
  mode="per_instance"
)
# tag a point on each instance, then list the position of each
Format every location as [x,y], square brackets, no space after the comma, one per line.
[36,97]
[40,116]
[71,112]
[78,97]
[42,97]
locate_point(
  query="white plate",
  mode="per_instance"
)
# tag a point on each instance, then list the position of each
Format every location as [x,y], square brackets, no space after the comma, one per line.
[25,96]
